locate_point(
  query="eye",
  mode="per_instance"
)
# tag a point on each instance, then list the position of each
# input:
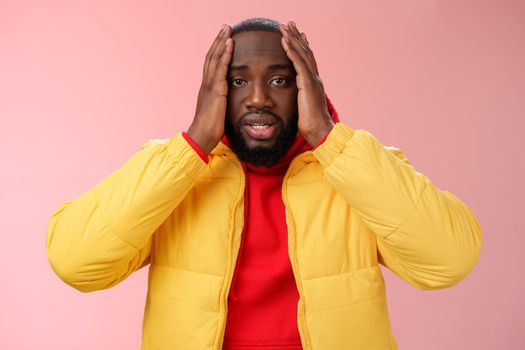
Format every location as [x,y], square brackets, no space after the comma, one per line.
[237,82]
[278,81]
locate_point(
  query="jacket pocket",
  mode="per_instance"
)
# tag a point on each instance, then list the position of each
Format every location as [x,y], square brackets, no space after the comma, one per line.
[348,311]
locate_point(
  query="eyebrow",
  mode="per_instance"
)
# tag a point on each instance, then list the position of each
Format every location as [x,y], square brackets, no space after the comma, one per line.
[280,66]
[276,66]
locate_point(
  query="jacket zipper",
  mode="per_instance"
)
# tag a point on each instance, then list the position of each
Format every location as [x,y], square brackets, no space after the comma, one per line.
[303,330]
[229,268]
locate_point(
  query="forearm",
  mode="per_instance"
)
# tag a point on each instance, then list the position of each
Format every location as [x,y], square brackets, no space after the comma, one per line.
[107,229]
[426,235]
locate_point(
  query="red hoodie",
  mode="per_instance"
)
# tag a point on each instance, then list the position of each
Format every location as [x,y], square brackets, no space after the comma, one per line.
[262,303]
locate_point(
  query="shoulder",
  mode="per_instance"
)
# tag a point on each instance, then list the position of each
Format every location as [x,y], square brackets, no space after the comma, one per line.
[154,142]
[399,153]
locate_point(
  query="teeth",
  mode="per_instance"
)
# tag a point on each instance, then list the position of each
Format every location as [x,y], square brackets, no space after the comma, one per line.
[260,126]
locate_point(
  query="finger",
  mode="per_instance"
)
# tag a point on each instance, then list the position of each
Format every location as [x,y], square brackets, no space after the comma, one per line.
[292,52]
[301,46]
[303,35]
[217,55]
[224,62]
[292,28]
[220,37]
[299,50]
[300,65]
[301,39]
[213,45]
[216,48]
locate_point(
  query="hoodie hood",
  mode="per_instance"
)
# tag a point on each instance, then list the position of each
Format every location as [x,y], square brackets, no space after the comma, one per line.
[299,146]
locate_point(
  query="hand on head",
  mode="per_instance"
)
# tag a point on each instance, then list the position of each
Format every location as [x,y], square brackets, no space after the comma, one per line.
[207,127]
[314,117]
[309,101]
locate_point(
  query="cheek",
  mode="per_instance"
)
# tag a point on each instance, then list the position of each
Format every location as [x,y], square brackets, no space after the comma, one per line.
[233,108]
[288,102]
[234,101]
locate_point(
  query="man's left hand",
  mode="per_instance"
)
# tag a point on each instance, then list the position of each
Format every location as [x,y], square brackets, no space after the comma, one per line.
[315,121]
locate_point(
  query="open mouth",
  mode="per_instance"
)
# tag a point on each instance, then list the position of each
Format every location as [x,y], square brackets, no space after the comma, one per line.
[260,131]
[260,126]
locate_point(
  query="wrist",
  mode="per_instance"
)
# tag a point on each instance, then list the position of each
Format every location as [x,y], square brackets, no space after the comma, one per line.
[196,147]
[205,143]
[315,137]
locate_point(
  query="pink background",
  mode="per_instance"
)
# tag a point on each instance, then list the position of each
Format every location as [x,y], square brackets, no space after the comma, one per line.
[84,83]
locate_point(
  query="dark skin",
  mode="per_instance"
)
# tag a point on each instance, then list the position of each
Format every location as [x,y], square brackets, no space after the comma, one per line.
[267,72]
[261,81]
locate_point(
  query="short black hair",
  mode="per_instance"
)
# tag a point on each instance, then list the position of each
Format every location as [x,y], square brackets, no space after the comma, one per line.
[256,24]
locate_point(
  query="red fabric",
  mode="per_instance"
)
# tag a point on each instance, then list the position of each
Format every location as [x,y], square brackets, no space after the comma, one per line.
[196,147]
[262,303]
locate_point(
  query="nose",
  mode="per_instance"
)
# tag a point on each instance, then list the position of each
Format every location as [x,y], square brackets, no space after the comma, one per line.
[258,97]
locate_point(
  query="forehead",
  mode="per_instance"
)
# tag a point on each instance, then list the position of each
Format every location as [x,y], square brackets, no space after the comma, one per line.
[258,47]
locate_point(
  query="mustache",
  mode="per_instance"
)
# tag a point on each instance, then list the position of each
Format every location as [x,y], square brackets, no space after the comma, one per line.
[261,112]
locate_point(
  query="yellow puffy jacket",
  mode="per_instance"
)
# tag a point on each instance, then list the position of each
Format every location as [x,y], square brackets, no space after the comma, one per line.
[350,204]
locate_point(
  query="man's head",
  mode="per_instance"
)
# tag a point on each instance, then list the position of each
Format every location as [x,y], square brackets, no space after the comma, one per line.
[261,117]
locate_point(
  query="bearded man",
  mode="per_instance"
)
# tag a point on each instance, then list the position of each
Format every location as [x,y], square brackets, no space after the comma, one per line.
[264,223]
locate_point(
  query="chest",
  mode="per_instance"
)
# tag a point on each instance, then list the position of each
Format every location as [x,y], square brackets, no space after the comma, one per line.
[323,231]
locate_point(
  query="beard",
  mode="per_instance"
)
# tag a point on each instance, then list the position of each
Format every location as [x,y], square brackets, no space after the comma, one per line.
[262,156]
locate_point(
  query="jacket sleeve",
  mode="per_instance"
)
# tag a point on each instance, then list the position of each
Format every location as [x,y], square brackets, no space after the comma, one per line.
[98,239]
[425,235]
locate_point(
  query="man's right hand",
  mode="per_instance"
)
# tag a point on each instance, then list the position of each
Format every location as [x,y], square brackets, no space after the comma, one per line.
[207,127]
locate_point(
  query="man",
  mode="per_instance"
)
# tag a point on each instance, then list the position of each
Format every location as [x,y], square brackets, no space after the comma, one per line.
[265,222]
